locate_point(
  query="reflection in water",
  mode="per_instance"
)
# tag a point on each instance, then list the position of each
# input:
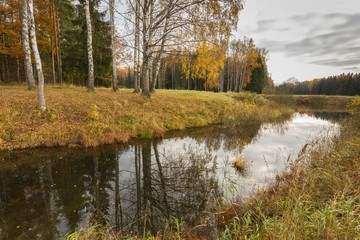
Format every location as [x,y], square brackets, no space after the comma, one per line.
[328,116]
[45,194]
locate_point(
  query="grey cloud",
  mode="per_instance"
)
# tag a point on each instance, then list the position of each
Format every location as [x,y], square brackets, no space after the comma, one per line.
[339,47]
[283,29]
[304,17]
[265,24]
[337,62]
[352,69]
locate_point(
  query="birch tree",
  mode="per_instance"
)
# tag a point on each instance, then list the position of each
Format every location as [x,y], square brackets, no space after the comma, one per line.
[113,50]
[29,75]
[90,83]
[40,75]
[137,48]
[160,53]
[167,24]
[147,34]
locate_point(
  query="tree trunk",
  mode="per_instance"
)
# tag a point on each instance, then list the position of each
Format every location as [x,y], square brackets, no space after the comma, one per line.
[29,75]
[58,46]
[138,184]
[17,70]
[159,56]
[40,75]
[137,49]
[222,76]
[139,67]
[118,212]
[151,73]
[113,50]
[90,84]
[146,51]
[242,75]
[52,41]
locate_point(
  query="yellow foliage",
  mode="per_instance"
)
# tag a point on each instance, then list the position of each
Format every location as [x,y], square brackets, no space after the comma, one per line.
[251,64]
[187,64]
[94,114]
[208,64]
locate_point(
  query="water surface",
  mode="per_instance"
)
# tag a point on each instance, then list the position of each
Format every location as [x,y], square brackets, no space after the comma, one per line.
[45,194]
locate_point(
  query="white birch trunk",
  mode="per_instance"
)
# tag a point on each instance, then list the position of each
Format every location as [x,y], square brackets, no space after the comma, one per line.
[29,75]
[137,50]
[158,60]
[146,50]
[40,75]
[113,50]
[139,62]
[90,83]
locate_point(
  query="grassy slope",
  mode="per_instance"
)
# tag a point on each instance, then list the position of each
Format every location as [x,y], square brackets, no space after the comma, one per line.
[78,117]
[318,199]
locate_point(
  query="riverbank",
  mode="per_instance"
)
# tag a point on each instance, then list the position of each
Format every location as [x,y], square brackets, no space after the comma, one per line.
[330,103]
[76,117]
[318,193]
[318,198]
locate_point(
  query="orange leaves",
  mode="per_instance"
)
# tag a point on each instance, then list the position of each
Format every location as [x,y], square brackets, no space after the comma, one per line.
[10,27]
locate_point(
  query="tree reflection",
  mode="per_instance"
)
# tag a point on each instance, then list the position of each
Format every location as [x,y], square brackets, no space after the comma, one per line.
[333,116]
[164,186]
[133,188]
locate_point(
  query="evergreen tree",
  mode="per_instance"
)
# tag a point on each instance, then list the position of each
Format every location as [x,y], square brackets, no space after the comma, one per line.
[258,76]
[75,50]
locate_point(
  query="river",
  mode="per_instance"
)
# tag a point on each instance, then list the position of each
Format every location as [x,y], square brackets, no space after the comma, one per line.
[48,193]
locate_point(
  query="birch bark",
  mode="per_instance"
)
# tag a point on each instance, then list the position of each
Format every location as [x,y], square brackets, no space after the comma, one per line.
[40,75]
[137,49]
[113,50]
[90,83]
[29,75]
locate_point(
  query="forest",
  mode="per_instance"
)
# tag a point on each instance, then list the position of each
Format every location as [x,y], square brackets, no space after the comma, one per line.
[166,44]
[344,84]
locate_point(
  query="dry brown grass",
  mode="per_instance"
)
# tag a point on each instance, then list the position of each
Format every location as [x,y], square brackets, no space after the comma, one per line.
[241,165]
[318,198]
[316,102]
[76,117]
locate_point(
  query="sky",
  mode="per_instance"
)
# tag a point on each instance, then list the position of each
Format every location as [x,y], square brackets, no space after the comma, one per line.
[306,39]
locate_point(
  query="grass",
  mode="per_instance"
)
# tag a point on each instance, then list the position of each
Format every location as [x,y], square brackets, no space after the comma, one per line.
[76,117]
[318,198]
[241,165]
[332,103]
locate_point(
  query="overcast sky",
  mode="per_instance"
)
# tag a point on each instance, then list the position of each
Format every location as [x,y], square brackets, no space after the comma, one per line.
[305,38]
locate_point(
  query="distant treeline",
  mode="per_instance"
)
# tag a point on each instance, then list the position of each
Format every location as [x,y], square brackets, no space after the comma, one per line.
[344,84]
